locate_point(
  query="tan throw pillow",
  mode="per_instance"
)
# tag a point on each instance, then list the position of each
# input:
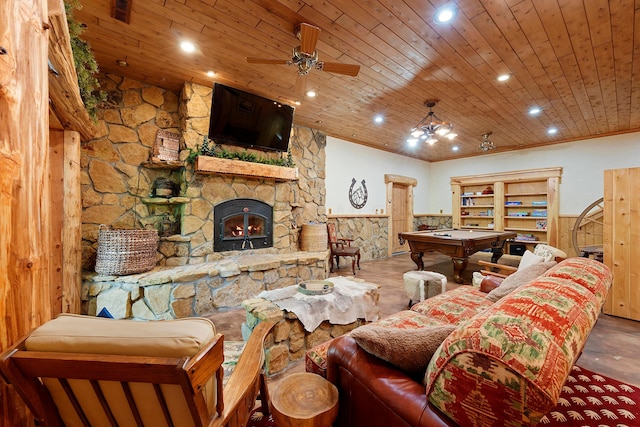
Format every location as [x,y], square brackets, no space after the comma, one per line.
[519,278]
[408,349]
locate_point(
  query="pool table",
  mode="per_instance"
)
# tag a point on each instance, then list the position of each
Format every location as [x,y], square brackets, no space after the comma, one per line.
[458,244]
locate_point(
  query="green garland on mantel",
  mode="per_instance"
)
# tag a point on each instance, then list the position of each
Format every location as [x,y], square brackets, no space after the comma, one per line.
[85,62]
[216,151]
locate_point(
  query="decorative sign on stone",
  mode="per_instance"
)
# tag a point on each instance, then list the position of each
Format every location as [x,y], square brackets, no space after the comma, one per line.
[167,146]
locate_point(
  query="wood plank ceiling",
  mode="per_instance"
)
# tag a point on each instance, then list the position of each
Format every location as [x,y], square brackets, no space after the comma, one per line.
[579,61]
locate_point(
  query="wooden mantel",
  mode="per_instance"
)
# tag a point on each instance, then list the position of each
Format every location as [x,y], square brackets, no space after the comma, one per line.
[207,164]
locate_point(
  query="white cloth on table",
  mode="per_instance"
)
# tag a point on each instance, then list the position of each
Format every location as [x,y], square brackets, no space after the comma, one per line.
[350,300]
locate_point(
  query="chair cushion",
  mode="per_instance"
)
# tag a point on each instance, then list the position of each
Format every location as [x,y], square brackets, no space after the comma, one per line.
[71,333]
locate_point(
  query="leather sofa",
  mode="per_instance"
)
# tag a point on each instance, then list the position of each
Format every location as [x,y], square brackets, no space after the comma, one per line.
[504,365]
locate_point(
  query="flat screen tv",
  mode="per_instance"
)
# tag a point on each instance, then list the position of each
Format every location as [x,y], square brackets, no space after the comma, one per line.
[245,119]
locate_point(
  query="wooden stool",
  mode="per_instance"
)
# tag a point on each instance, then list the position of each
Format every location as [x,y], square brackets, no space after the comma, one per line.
[304,400]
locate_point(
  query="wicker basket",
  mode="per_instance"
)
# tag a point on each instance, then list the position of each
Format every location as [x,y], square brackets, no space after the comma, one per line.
[122,252]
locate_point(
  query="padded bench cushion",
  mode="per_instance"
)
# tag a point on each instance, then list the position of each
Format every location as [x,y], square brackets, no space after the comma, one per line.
[71,333]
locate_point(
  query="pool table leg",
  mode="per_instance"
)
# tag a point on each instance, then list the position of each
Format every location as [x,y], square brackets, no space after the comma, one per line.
[417,258]
[459,264]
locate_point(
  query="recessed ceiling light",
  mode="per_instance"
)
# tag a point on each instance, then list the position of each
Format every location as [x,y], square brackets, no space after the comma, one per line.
[211,73]
[503,77]
[552,131]
[122,63]
[445,14]
[187,46]
[378,119]
[455,148]
[311,93]
[534,111]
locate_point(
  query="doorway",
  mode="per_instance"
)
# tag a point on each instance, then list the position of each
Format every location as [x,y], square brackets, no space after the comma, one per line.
[400,209]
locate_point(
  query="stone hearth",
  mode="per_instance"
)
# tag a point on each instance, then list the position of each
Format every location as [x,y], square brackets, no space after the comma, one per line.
[198,289]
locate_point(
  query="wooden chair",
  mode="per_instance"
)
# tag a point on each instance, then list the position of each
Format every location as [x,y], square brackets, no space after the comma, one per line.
[342,247]
[74,380]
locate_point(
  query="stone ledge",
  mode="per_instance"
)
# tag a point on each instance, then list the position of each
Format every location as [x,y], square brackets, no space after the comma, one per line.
[226,267]
[198,289]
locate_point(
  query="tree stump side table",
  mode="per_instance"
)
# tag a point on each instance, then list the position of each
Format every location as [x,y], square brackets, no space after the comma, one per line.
[304,400]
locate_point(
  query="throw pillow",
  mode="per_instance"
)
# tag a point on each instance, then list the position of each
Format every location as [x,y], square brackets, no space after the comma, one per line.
[549,253]
[528,259]
[408,349]
[519,278]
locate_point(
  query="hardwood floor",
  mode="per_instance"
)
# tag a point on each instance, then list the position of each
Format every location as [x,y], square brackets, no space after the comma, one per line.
[611,349]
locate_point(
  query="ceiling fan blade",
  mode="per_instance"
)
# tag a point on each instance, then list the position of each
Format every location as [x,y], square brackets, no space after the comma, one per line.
[251,60]
[301,85]
[335,67]
[308,37]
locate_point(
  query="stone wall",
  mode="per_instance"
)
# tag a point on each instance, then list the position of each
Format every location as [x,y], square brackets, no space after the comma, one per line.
[438,221]
[116,185]
[370,234]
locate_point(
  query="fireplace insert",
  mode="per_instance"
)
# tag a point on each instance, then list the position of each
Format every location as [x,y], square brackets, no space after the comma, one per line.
[242,224]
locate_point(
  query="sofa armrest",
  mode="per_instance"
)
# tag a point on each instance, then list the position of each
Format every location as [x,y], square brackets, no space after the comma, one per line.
[515,357]
[375,393]
[489,283]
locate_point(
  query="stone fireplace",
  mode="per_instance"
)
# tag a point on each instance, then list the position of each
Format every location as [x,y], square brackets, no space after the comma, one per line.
[242,224]
[194,275]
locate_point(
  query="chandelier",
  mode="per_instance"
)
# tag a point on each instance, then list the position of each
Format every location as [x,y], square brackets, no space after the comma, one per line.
[485,144]
[430,127]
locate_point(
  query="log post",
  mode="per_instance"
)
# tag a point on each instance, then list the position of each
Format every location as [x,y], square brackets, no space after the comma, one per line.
[24,144]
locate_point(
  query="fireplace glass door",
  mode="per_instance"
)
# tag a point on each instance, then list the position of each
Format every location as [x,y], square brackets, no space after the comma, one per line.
[243,224]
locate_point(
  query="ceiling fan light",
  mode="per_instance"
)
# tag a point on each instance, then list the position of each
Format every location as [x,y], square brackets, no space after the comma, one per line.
[431,141]
[443,130]
[451,135]
[412,141]
[417,133]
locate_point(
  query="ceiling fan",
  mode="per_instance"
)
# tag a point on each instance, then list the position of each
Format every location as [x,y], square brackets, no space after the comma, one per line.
[305,57]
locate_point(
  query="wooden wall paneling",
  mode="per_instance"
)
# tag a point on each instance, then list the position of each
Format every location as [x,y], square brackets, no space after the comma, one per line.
[565,227]
[498,205]
[72,230]
[553,210]
[56,180]
[621,234]
[456,192]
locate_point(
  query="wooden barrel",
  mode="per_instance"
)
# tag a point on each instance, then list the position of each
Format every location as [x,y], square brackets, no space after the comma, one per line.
[313,237]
